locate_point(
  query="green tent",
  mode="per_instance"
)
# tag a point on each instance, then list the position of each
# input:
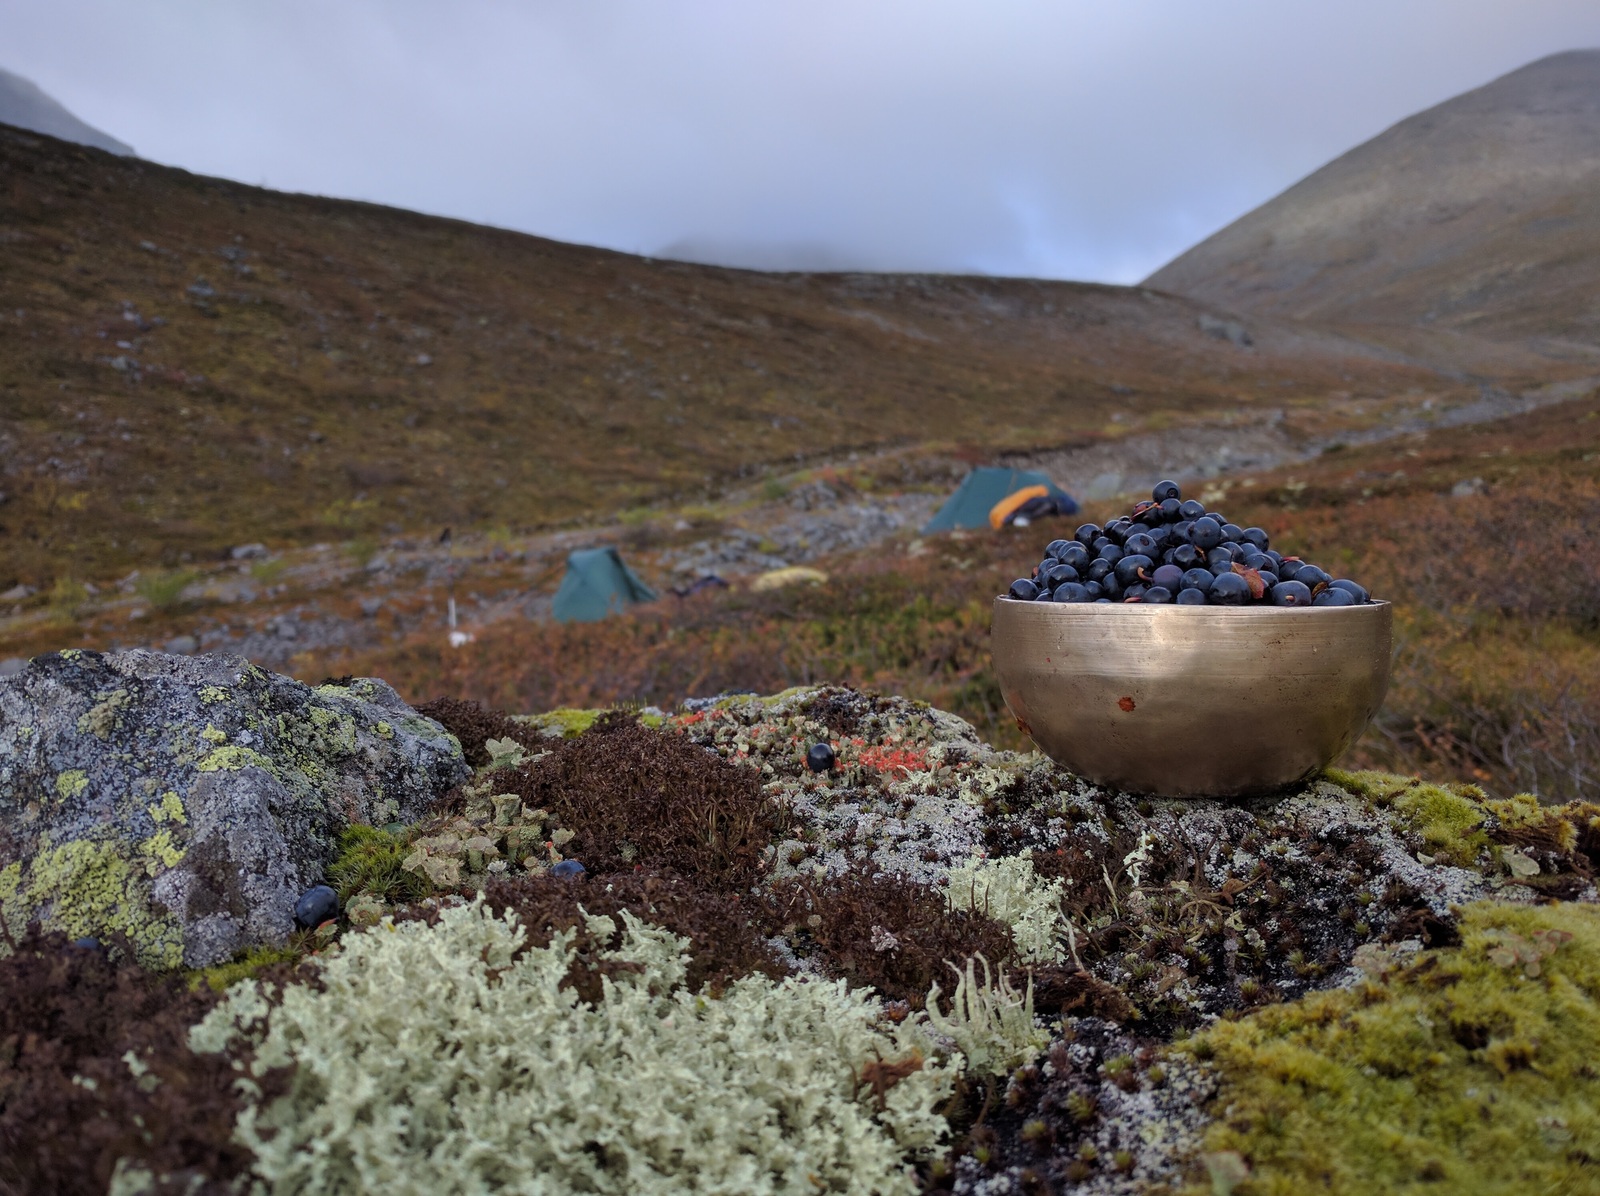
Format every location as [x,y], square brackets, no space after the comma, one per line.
[597,584]
[970,505]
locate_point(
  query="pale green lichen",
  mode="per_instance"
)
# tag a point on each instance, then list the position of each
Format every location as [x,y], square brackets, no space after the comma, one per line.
[1009,891]
[990,1023]
[212,735]
[383,730]
[652,1089]
[232,758]
[88,888]
[213,693]
[71,784]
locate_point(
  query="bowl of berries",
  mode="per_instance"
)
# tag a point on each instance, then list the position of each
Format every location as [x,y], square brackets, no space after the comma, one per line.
[1171,652]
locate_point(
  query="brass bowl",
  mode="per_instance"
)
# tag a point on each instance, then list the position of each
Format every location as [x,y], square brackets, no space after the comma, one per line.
[1189,701]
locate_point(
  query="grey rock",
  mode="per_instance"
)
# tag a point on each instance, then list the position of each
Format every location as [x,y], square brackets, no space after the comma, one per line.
[12,665]
[371,606]
[248,552]
[17,593]
[1468,487]
[186,802]
[182,645]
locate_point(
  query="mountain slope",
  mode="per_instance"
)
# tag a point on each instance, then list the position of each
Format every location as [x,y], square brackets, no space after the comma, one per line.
[24,104]
[188,364]
[1481,214]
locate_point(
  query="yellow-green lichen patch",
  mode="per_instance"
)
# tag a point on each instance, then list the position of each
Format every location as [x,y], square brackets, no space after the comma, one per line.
[1471,1071]
[89,888]
[333,734]
[159,852]
[1448,818]
[71,784]
[231,758]
[168,809]
[213,693]
[101,718]
[383,730]
[212,735]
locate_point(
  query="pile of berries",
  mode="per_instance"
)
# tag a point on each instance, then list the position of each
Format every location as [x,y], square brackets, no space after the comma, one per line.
[1171,550]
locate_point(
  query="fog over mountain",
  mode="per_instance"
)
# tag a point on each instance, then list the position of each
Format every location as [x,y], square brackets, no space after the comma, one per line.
[23,104]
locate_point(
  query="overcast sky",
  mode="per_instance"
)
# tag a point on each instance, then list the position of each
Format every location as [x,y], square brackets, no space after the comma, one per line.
[1083,139]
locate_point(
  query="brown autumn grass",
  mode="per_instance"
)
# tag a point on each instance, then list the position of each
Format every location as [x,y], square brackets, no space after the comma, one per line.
[1497,670]
[188,364]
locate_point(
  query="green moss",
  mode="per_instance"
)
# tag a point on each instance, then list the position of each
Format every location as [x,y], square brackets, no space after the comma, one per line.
[231,758]
[369,861]
[570,722]
[88,888]
[1448,818]
[247,966]
[1472,1071]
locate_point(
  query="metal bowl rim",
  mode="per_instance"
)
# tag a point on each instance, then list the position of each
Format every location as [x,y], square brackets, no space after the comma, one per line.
[1248,612]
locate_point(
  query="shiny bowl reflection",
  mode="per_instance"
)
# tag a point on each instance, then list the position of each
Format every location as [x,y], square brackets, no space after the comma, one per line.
[1188,701]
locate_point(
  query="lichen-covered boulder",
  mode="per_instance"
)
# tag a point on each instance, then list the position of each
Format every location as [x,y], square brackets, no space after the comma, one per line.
[186,802]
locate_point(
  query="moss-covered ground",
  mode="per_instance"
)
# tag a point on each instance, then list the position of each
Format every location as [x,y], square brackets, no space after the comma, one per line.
[1472,1070]
[1375,984]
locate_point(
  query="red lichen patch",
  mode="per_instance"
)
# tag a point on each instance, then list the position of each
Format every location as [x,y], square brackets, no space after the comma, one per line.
[1126,704]
[71,1104]
[897,762]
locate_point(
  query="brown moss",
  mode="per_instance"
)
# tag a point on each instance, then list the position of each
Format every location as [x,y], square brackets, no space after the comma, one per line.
[70,1103]
[637,796]
[474,726]
[889,932]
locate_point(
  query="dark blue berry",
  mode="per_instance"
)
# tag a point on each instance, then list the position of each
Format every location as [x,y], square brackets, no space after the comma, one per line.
[1333,597]
[1206,533]
[1166,489]
[1230,589]
[316,906]
[1086,534]
[1071,591]
[1356,591]
[1198,579]
[1191,510]
[1190,597]
[820,758]
[1023,589]
[567,869]
[1291,593]
[1158,594]
[1055,548]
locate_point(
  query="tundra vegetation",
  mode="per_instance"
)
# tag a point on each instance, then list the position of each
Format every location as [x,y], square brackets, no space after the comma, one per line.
[937,966]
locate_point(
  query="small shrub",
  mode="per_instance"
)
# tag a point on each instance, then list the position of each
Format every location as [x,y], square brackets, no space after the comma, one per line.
[164,589]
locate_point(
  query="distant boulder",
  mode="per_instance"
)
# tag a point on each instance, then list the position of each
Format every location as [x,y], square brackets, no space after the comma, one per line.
[187,802]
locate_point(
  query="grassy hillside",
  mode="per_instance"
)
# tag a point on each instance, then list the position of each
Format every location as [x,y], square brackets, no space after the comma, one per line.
[188,364]
[1476,215]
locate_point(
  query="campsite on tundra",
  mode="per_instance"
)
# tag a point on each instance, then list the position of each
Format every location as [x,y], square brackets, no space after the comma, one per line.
[480,713]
